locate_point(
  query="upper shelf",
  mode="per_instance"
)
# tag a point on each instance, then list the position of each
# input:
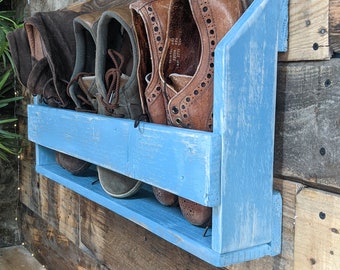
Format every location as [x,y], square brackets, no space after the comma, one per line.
[149,152]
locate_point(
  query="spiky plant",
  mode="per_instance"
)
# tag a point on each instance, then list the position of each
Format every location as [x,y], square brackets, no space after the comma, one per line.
[9,139]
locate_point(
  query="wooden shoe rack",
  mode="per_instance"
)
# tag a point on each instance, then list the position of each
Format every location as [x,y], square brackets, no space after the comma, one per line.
[229,169]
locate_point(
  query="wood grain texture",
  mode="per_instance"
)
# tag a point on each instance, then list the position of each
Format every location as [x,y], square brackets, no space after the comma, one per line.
[317,241]
[60,208]
[18,257]
[52,248]
[308,37]
[308,122]
[334,25]
[96,5]
[54,203]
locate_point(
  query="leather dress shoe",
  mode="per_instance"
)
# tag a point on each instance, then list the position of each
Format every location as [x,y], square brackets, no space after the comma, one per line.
[150,19]
[187,70]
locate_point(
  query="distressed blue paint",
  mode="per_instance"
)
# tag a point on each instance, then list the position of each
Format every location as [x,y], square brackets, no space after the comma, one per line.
[276,224]
[229,169]
[283,27]
[244,115]
[150,153]
[165,222]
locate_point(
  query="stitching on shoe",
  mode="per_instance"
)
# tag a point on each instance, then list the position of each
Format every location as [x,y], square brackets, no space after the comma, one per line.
[181,113]
[159,41]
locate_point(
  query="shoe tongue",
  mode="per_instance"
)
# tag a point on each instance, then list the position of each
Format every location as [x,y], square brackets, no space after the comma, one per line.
[123,79]
[86,82]
[179,81]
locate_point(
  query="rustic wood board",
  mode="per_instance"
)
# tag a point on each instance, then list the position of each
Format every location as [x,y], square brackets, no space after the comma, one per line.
[59,207]
[29,186]
[53,249]
[334,25]
[308,31]
[308,122]
[317,240]
[54,203]
[18,257]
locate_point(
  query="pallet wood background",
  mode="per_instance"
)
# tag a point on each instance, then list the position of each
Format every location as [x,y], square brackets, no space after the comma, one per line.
[319,212]
[334,25]
[308,29]
[308,122]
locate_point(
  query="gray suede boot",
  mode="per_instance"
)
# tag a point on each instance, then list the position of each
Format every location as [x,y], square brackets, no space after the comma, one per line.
[116,80]
[82,87]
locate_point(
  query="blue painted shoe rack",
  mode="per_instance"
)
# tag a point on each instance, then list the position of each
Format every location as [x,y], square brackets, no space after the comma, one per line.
[229,169]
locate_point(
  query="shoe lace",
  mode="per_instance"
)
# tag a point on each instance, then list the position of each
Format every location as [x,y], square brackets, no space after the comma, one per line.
[112,83]
[88,96]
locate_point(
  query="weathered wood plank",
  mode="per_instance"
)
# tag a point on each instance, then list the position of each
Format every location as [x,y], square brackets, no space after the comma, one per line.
[29,186]
[53,202]
[308,122]
[334,25]
[17,257]
[60,208]
[284,261]
[53,249]
[121,244]
[308,37]
[317,240]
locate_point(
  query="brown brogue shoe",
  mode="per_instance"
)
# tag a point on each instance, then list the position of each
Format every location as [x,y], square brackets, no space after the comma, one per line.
[187,70]
[150,19]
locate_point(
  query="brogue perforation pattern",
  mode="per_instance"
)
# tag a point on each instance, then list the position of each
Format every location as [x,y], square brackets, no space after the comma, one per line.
[181,114]
[159,41]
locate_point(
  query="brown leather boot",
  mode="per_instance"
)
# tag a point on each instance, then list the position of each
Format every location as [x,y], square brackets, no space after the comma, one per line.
[150,19]
[187,69]
[52,47]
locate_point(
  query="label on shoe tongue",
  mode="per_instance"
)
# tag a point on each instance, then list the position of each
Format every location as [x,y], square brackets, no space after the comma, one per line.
[175,51]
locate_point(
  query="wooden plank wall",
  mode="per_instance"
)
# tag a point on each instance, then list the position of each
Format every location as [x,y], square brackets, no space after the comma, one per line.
[317,247]
[314,30]
[308,122]
[308,31]
[334,25]
[65,231]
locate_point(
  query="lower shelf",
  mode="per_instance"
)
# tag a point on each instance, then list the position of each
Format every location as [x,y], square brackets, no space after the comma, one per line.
[166,222]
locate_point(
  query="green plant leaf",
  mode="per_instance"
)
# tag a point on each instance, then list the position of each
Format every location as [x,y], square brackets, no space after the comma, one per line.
[7,134]
[8,100]
[9,141]
[8,120]
[4,78]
